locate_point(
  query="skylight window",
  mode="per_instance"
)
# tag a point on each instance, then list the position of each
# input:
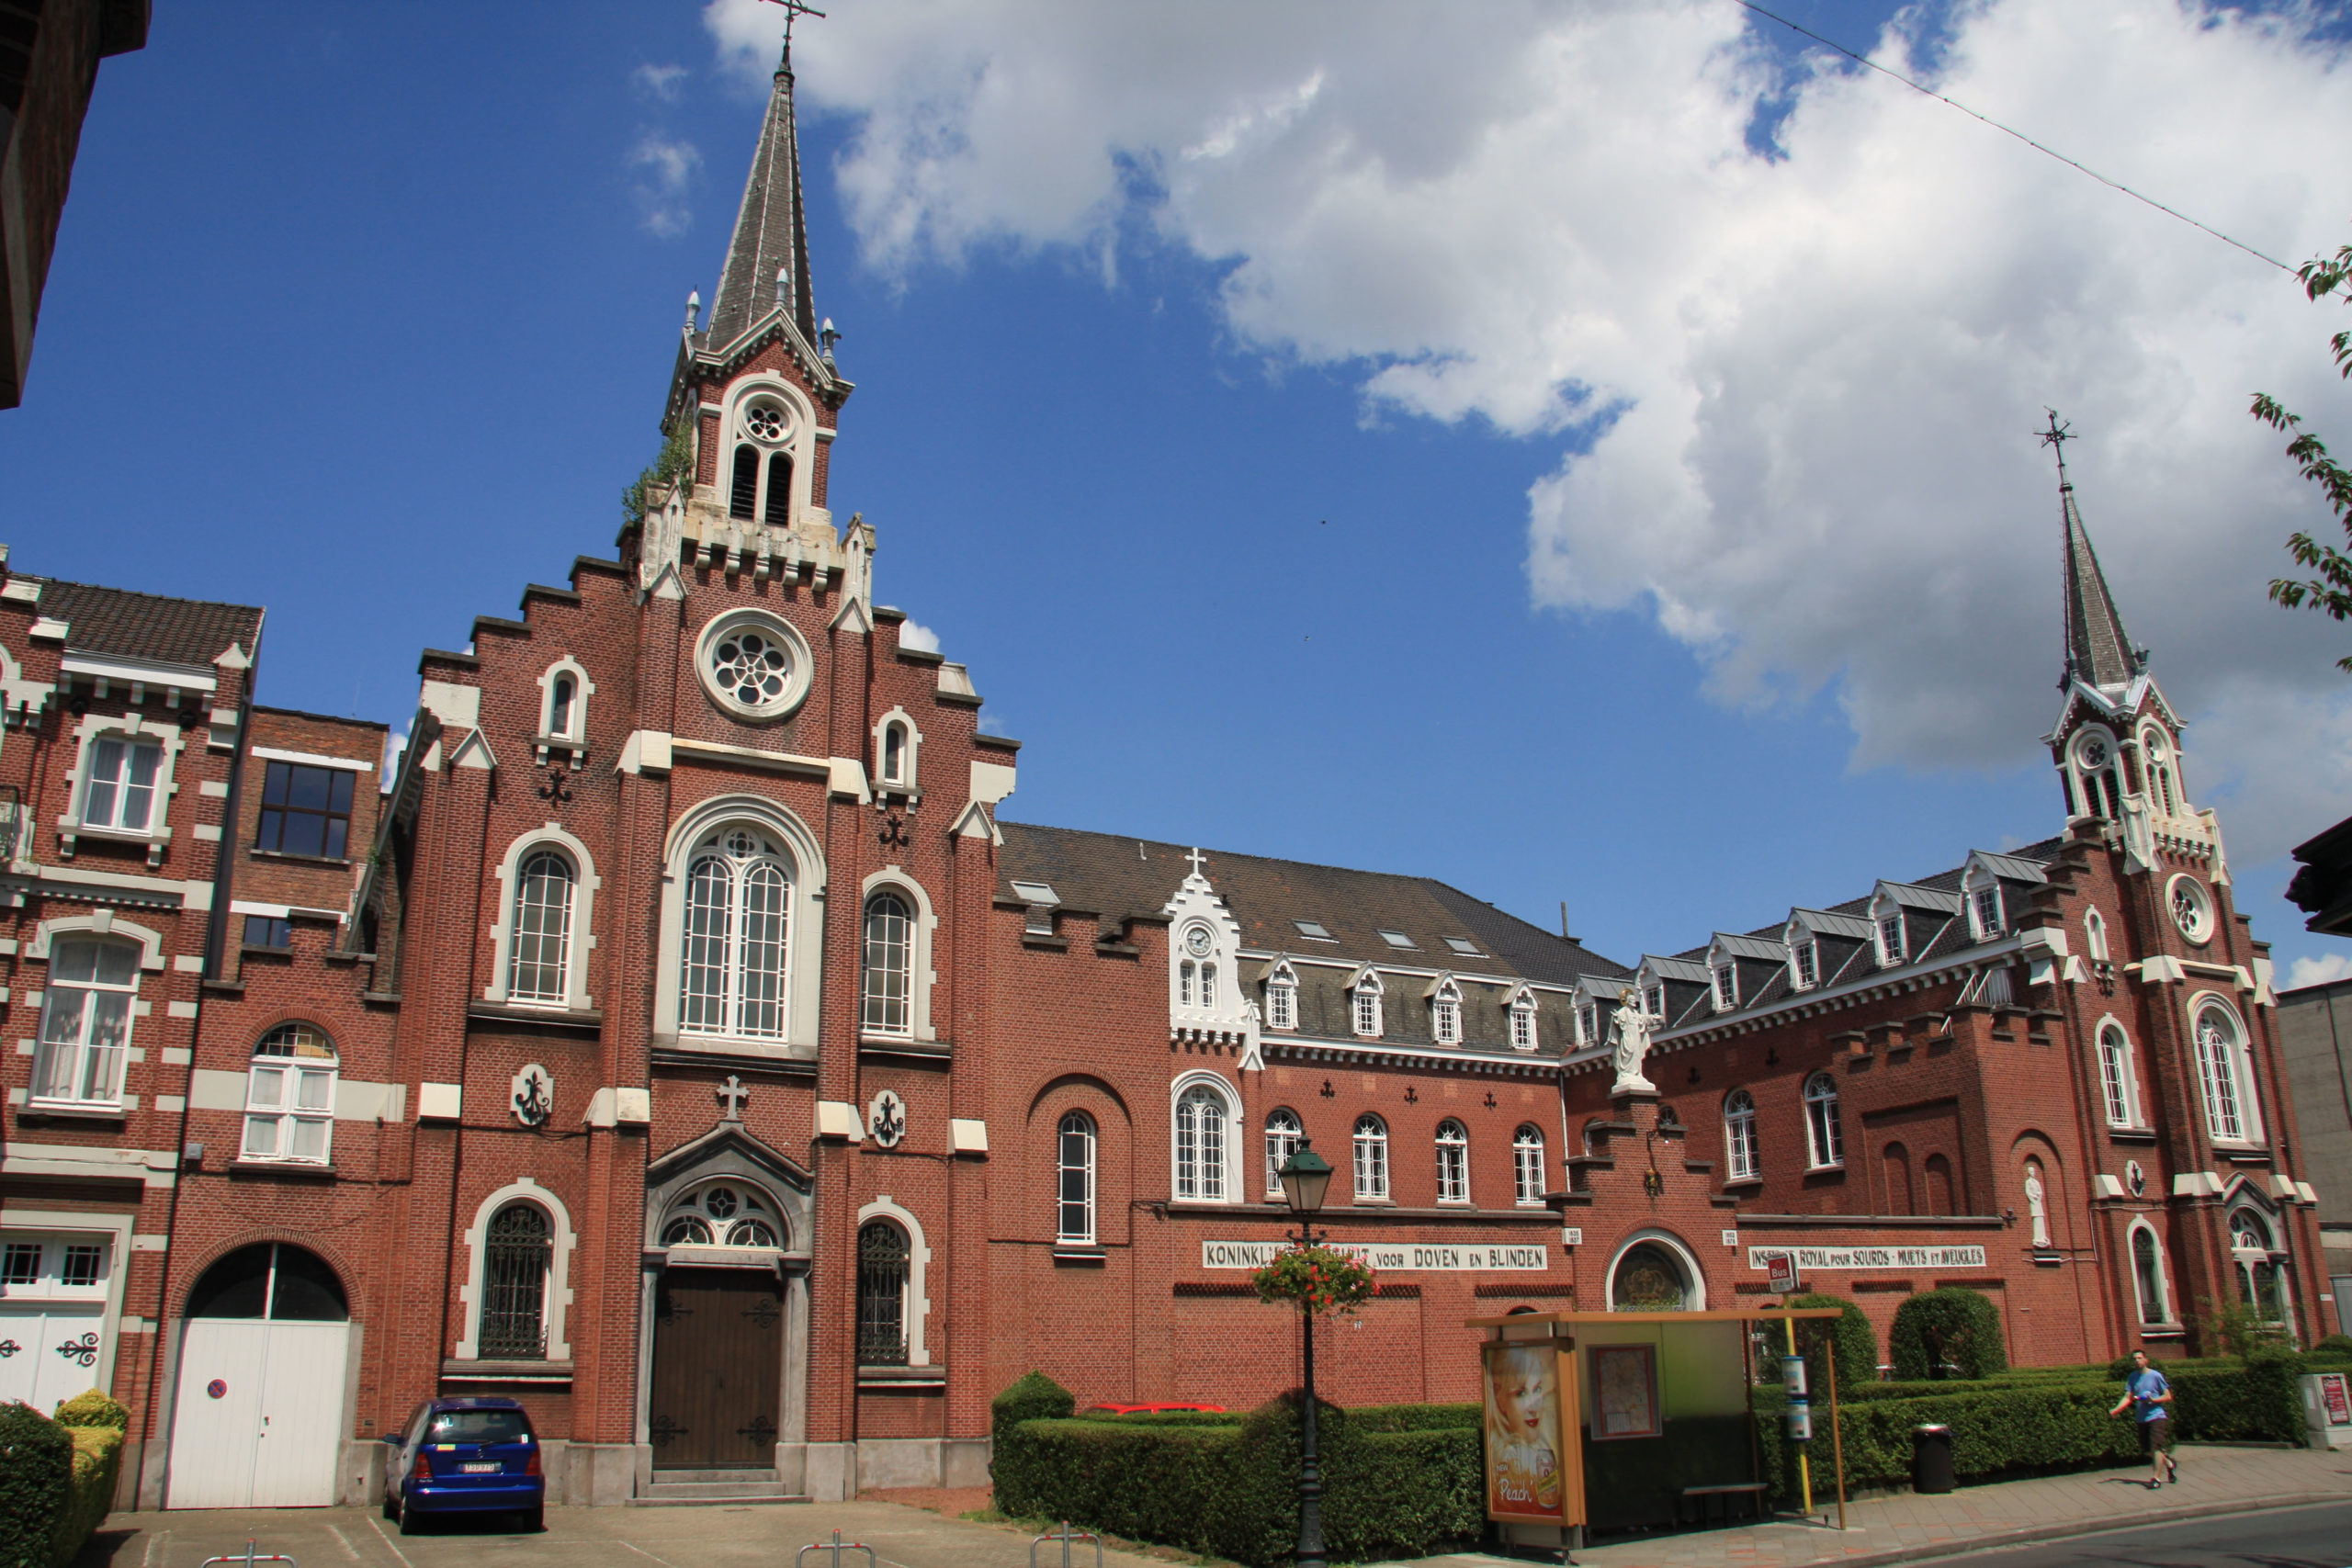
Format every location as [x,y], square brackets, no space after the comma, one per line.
[1462,944]
[1397,939]
[1313,931]
[1034,892]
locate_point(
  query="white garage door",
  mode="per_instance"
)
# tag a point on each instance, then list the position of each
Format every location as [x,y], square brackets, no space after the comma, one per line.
[258,1420]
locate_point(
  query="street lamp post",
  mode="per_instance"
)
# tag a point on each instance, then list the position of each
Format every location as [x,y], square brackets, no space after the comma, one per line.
[1303,1177]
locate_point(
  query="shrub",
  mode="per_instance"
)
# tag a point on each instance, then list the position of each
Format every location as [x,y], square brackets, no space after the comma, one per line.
[2334,1345]
[93,1409]
[1948,1332]
[1034,1397]
[1996,1429]
[36,1474]
[97,1455]
[1857,1345]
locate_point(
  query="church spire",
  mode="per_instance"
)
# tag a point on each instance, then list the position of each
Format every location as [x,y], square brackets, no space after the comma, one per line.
[2099,652]
[767,261]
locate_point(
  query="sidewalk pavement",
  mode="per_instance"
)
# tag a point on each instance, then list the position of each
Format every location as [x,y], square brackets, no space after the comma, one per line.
[1906,1527]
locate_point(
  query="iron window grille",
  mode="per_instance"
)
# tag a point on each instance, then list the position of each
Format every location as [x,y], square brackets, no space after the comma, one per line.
[882,1265]
[515,1285]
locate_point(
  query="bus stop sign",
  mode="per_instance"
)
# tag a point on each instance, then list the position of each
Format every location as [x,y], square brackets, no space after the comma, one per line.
[1780,1273]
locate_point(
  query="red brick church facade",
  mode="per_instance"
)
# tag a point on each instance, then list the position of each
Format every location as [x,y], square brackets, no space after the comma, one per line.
[761,1101]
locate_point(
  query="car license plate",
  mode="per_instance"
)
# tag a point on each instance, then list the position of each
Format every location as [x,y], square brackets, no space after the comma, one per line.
[480,1468]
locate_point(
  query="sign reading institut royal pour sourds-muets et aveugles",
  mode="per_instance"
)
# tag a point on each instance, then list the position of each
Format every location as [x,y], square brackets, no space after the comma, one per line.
[1853,1259]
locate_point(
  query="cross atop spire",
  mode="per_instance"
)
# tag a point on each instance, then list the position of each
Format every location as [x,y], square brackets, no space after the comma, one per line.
[2099,652]
[767,260]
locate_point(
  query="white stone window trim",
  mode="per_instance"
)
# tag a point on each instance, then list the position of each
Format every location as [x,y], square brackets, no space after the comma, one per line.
[1974,886]
[1825,1134]
[99,923]
[2160,771]
[1232,1189]
[799,442]
[1451,1142]
[574,732]
[1741,1161]
[2095,935]
[1723,983]
[116,1230]
[1804,952]
[909,775]
[134,727]
[799,679]
[1694,1276]
[1520,1006]
[584,884]
[556,1303]
[2081,773]
[1284,1139]
[2127,1067]
[1365,994]
[804,958]
[1369,1132]
[2164,1275]
[285,1112]
[918,1305]
[2183,888]
[920,978]
[2240,1060]
[1445,1010]
[1526,1160]
[1891,953]
[1281,995]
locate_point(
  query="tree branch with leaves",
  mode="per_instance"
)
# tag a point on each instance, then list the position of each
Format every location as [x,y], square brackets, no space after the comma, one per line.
[2330,590]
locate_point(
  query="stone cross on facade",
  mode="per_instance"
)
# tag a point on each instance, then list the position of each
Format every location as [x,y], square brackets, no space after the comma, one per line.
[732,1094]
[1196,858]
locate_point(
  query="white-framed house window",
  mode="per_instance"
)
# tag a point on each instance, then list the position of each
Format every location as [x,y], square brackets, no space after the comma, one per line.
[887,993]
[1825,1138]
[1371,1159]
[86,1013]
[1452,1162]
[2118,1090]
[121,793]
[741,931]
[1282,996]
[1527,1166]
[1445,1012]
[1726,974]
[1522,1020]
[1889,923]
[1074,1159]
[1804,958]
[1283,1134]
[1739,1136]
[2150,1278]
[290,1096]
[122,786]
[540,943]
[2225,1073]
[1205,1113]
[1365,1004]
[1588,1025]
[1984,912]
[1653,999]
[898,750]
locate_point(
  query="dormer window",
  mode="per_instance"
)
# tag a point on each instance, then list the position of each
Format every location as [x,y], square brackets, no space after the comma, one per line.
[1588,1023]
[1985,909]
[1445,1013]
[1366,1006]
[1726,986]
[1282,997]
[1805,955]
[1890,939]
[1522,1022]
[1653,999]
[1313,931]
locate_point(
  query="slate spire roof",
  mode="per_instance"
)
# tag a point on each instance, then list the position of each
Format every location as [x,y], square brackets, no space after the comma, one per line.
[771,231]
[2099,652]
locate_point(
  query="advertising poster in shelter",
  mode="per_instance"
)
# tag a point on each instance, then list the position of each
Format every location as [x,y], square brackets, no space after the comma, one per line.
[1528,1462]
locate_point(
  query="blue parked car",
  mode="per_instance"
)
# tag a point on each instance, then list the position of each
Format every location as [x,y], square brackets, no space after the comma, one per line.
[464,1456]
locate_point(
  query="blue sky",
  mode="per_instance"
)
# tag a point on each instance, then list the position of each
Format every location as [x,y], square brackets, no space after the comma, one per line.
[366,315]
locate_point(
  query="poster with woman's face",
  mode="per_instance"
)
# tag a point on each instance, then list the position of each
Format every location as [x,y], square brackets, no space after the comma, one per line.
[1526,1479]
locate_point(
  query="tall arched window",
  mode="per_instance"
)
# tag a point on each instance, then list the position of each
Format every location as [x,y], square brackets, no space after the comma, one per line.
[1074,1210]
[2254,1251]
[2148,1275]
[1282,1135]
[290,1096]
[1900,1199]
[1372,1157]
[1825,1141]
[1937,1179]
[515,1283]
[85,1021]
[1200,1145]
[743,496]
[1452,1163]
[1739,1136]
[1527,1166]
[889,949]
[738,911]
[2217,1063]
[538,970]
[1367,1006]
[560,701]
[894,754]
[2102,790]
[2115,1074]
[2095,935]
[2157,754]
[883,1257]
[778,511]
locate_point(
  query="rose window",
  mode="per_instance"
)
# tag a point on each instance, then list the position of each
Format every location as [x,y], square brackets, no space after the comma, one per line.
[722,1215]
[766,420]
[753,667]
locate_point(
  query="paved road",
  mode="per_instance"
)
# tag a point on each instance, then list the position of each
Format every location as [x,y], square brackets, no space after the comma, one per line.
[2315,1537]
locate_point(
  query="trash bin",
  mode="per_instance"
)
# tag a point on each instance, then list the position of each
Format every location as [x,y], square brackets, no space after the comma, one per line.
[1931,1458]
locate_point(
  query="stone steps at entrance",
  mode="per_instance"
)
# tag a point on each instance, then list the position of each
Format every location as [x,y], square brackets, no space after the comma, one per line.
[702,1488]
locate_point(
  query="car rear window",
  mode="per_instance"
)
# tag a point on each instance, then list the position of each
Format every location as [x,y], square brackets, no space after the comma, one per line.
[479,1426]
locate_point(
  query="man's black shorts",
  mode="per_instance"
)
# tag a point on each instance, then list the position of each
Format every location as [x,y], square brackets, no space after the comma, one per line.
[2155,1435]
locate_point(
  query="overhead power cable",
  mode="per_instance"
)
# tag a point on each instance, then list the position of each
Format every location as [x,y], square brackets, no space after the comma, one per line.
[2021,136]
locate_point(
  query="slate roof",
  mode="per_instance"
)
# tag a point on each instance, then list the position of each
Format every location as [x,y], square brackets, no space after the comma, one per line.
[771,231]
[1113,875]
[2099,652]
[148,626]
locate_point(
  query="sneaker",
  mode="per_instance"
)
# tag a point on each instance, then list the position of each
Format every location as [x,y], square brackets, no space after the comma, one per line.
[2172,1471]
[2152,1486]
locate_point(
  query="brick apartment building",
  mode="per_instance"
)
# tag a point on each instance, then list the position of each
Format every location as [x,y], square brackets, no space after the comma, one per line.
[674,1037]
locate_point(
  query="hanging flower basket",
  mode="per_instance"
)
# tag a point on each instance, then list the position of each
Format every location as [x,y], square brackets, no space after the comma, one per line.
[1316,1278]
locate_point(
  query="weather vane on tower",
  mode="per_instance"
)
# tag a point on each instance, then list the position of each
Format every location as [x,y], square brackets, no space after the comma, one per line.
[2055,437]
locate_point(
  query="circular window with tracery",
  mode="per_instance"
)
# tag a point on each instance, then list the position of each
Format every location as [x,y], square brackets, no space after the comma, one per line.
[753,665]
[722,1215]
[2192,910]
[766,420]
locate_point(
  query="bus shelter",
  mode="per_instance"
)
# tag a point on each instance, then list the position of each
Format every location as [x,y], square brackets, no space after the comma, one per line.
[1614,1420]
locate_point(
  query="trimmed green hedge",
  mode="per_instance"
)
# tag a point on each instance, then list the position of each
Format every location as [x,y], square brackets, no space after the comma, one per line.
[1857,1345]
[94,1409]
[1400,1483]
[1951,1325]
[1996,1429]
[97,1455]
[35,1478]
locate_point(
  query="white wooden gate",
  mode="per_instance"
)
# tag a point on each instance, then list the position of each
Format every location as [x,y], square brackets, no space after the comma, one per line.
[50,1351]
[258,1420]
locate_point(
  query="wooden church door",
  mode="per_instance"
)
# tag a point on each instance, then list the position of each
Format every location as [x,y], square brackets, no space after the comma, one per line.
[718,1369]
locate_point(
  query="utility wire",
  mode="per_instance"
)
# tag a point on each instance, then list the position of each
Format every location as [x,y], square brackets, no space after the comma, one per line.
[2021,136]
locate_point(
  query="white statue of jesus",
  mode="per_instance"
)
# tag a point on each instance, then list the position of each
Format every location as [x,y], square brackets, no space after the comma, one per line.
[2035,1204]
[1629,1037]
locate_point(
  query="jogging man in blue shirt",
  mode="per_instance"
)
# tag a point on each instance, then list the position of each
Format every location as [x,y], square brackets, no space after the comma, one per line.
[2146,1389]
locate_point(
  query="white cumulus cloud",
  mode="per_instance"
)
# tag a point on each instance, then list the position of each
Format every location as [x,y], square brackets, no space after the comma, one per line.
[2319,971]
[1791,391]
[666,167]
[659,81]
[918,636]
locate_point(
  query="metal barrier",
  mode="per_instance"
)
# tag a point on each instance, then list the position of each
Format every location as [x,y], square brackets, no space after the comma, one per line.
[1066,1536]
[836,1546]
[250,1558]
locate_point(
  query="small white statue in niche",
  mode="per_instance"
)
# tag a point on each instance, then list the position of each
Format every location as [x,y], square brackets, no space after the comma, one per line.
[2036,1204]
[1629,1038]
